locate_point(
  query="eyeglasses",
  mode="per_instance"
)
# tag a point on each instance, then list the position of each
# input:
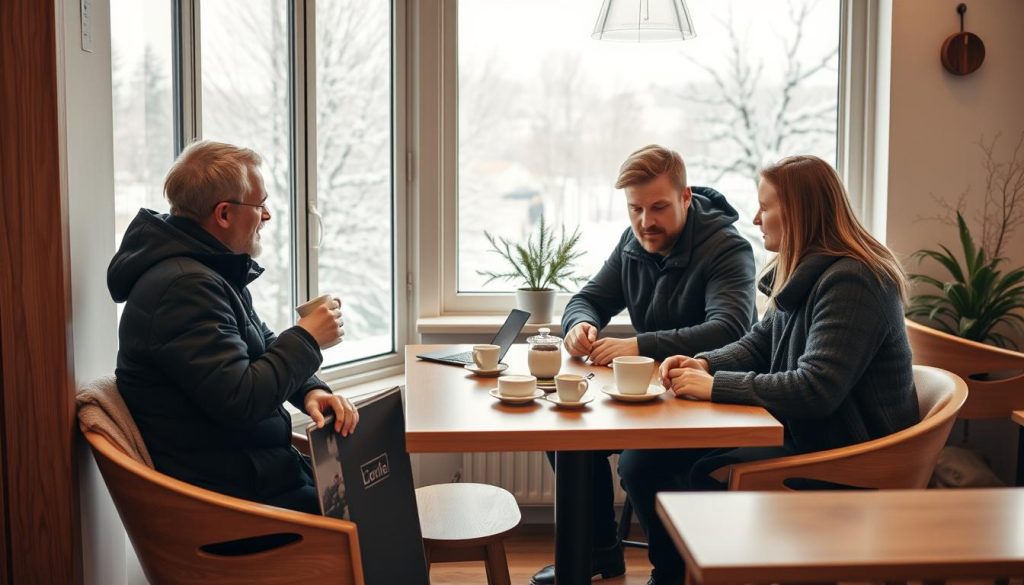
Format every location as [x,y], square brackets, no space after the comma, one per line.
[261,206]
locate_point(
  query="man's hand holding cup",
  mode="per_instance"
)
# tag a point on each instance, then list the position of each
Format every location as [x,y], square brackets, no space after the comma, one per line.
[321,317]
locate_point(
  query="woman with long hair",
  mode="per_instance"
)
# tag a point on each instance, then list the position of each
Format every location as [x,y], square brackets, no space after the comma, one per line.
[830,358]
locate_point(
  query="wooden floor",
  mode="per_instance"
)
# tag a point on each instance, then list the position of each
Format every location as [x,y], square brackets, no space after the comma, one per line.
[528,550]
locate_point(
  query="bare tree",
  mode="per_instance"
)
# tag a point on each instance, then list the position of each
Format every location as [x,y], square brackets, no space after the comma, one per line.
[556,123]
[753,121]
[1002,210]
[353,147]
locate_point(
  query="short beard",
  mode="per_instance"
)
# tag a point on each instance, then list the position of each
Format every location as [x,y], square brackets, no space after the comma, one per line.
[255,247]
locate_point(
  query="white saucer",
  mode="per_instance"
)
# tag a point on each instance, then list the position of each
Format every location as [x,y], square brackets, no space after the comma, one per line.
[516,399]
[486,373]
[653,391]
[547,388]
[554,399]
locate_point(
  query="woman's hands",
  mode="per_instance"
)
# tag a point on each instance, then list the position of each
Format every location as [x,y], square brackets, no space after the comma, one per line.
[686,376]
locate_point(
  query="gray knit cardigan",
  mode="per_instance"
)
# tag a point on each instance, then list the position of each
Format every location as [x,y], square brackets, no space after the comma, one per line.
[832,361]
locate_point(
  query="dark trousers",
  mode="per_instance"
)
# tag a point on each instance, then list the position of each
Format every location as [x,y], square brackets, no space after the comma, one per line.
[603,509]
[644,473]
[301,499]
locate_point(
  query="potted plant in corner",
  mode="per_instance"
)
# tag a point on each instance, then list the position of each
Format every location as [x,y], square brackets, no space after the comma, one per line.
[980,294]
[543,266]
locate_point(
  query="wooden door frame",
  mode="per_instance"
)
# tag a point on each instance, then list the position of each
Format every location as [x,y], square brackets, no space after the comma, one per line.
[40,511]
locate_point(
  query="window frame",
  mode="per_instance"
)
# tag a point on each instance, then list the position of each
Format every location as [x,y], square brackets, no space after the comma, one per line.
[435,117]
[187,88]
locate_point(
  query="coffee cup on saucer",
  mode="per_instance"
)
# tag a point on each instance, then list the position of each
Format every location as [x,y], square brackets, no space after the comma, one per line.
[485,356]
[571,387]
[517,386]
[633,373]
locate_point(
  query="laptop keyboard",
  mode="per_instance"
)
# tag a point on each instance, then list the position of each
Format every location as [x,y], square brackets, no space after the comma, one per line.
[465,357]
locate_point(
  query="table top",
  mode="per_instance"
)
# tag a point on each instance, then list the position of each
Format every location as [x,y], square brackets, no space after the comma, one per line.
[758,537]
[449,410]
[1018,417]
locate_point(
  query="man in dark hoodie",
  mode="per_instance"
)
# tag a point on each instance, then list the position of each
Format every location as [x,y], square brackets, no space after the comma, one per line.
[202,374]
[685,275]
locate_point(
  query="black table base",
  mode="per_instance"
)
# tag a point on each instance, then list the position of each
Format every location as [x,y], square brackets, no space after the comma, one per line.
[574,531]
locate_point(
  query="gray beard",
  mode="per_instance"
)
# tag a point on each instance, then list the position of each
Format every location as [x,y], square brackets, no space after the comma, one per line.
[255,247]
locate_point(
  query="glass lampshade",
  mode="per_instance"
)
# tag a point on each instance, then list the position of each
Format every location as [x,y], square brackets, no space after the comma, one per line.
[644,20]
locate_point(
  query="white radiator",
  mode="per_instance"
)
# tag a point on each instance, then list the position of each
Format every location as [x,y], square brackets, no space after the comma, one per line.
[526,475]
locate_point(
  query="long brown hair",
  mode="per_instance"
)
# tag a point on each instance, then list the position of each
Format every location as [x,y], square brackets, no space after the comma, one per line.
[817,218]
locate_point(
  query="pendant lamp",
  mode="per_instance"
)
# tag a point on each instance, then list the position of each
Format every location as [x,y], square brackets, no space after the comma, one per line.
[644,21]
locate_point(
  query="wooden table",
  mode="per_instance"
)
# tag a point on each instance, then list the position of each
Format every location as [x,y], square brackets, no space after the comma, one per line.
[774,537]
[450,410]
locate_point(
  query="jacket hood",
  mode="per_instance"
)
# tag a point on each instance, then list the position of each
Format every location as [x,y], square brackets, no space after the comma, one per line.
[709,213]
[154,237]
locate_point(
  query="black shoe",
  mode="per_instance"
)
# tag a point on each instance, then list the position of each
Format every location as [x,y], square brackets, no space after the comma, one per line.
[663,579]
[607,563]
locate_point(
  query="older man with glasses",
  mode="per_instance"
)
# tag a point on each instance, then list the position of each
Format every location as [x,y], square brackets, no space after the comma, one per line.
[203,376]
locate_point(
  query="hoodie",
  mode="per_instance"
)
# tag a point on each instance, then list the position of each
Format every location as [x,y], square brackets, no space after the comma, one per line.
[699,297]
[201,373]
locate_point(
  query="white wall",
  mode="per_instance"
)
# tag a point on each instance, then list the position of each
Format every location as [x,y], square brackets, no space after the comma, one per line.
[89,181]
[936,118]
[935,121]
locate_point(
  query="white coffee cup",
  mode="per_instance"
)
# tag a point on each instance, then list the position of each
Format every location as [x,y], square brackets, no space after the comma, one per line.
[485,356]
[633,373]
[571,387]
[517,386]
[307,307]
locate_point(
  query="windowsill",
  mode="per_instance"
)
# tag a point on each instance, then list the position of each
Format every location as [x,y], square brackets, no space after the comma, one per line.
[455,324]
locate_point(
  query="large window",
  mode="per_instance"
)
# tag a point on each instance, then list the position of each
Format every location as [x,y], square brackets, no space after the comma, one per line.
[143,115]
[310,87]
[246,100]
[354,170]
[546,115]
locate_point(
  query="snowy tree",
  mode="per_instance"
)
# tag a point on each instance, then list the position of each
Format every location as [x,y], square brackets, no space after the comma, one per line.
[751,122]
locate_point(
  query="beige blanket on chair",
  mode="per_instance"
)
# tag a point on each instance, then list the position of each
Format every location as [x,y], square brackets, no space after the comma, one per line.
[102,410]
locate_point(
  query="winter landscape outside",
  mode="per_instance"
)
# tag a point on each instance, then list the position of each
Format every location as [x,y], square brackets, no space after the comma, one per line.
[545,117]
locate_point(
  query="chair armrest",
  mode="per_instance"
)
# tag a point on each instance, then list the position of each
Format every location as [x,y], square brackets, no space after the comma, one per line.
[301,443]
[877,464]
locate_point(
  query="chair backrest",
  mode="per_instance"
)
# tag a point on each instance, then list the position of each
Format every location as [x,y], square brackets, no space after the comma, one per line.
[991,397]
[170,522]
[902,460]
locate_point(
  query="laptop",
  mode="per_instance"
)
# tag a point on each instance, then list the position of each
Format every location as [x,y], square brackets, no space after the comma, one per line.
[505,338]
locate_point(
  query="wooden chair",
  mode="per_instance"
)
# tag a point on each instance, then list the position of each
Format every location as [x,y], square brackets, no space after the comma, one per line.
[973,361]
[179,531]
[902,460]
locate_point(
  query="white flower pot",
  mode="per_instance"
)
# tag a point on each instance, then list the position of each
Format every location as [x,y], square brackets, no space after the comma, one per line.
[538,303]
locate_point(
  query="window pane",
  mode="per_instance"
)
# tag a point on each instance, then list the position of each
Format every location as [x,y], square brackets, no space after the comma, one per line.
[354,182]
[547,115]
[246,101]
[143,117]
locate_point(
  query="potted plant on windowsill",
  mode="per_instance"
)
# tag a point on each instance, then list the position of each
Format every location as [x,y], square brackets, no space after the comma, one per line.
[543,265]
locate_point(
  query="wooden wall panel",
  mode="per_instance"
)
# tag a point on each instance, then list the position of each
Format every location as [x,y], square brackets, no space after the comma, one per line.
[5,558]
[41,490]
